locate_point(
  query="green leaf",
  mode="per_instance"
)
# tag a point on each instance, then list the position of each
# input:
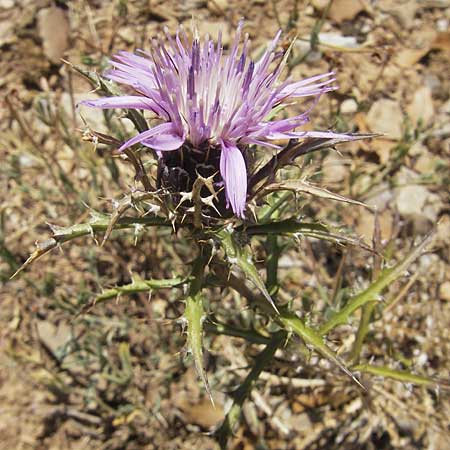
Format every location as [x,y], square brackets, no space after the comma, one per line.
[309,229]
[376,288]
[288,226]
[139,285]
[305,187]
[294,324]
[238,255]
[194,315]
[399,375]
[98,223]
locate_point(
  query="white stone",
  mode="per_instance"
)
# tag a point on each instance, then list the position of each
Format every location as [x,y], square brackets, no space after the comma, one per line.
[349,106]
[6,4]
[54,30]
[385,116]
[410,200]
[421,109]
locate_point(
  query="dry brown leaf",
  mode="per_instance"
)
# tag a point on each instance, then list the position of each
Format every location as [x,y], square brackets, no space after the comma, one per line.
[444,291]
[345,9]
[442,42]
[203,413]
[407,57]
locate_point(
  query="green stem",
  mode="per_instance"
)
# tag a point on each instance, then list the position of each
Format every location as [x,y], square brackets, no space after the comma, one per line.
[227,330]
[261,361]
[374,290]
[291,322]
[194,313]
[286,319]
[399,375]
[140,286]
[363,329]
[99,223]
[273,256]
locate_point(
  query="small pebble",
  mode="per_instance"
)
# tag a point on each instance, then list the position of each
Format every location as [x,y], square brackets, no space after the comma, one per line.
[349,106]
[6,4]
[442,25]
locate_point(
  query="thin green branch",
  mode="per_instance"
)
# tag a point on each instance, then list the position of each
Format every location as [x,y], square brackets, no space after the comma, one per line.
[363,329]
[261,361]
[373,292]
[309,229]
[311,338]
[286,319]
[98,223]
[139,285]
[368,309]
[227,330]
[399,375]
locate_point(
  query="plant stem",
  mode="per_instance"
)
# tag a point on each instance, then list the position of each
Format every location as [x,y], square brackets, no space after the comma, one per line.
[194,313]
[374,290]
[261,361]
[227,330]
[363,329]
[98,223]
[399,375]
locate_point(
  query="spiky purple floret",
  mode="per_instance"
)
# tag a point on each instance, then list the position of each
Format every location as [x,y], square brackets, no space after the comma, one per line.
[203,96]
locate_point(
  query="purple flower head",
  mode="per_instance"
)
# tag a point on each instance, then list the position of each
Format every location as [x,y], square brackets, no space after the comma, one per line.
[204,97]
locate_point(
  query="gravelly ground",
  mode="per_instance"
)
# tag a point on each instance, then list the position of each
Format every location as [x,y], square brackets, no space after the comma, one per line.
[391,59]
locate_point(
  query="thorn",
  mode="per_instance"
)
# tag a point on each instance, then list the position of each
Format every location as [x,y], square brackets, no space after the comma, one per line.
[209,202]
[185,196]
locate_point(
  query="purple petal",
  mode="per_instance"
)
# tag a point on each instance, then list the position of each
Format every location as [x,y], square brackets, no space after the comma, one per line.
[128,101]
[234,175]
[324,134]
[316,85]
[161,133]
[164,142]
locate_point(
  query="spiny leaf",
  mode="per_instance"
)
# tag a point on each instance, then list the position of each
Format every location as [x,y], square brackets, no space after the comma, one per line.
[194,314]
[125,204]
[295,149]
[238,255]
[374,290]
[288,226]
[338,238]
[310,229]
[399,375]
[288,321]
[291,323]
[137,285]
[303,186]
[140,285]
[98,223]
[197,198]
[294,324]
[110,89]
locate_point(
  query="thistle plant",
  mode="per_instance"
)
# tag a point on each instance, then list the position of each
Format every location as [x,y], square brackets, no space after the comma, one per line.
[213,154]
